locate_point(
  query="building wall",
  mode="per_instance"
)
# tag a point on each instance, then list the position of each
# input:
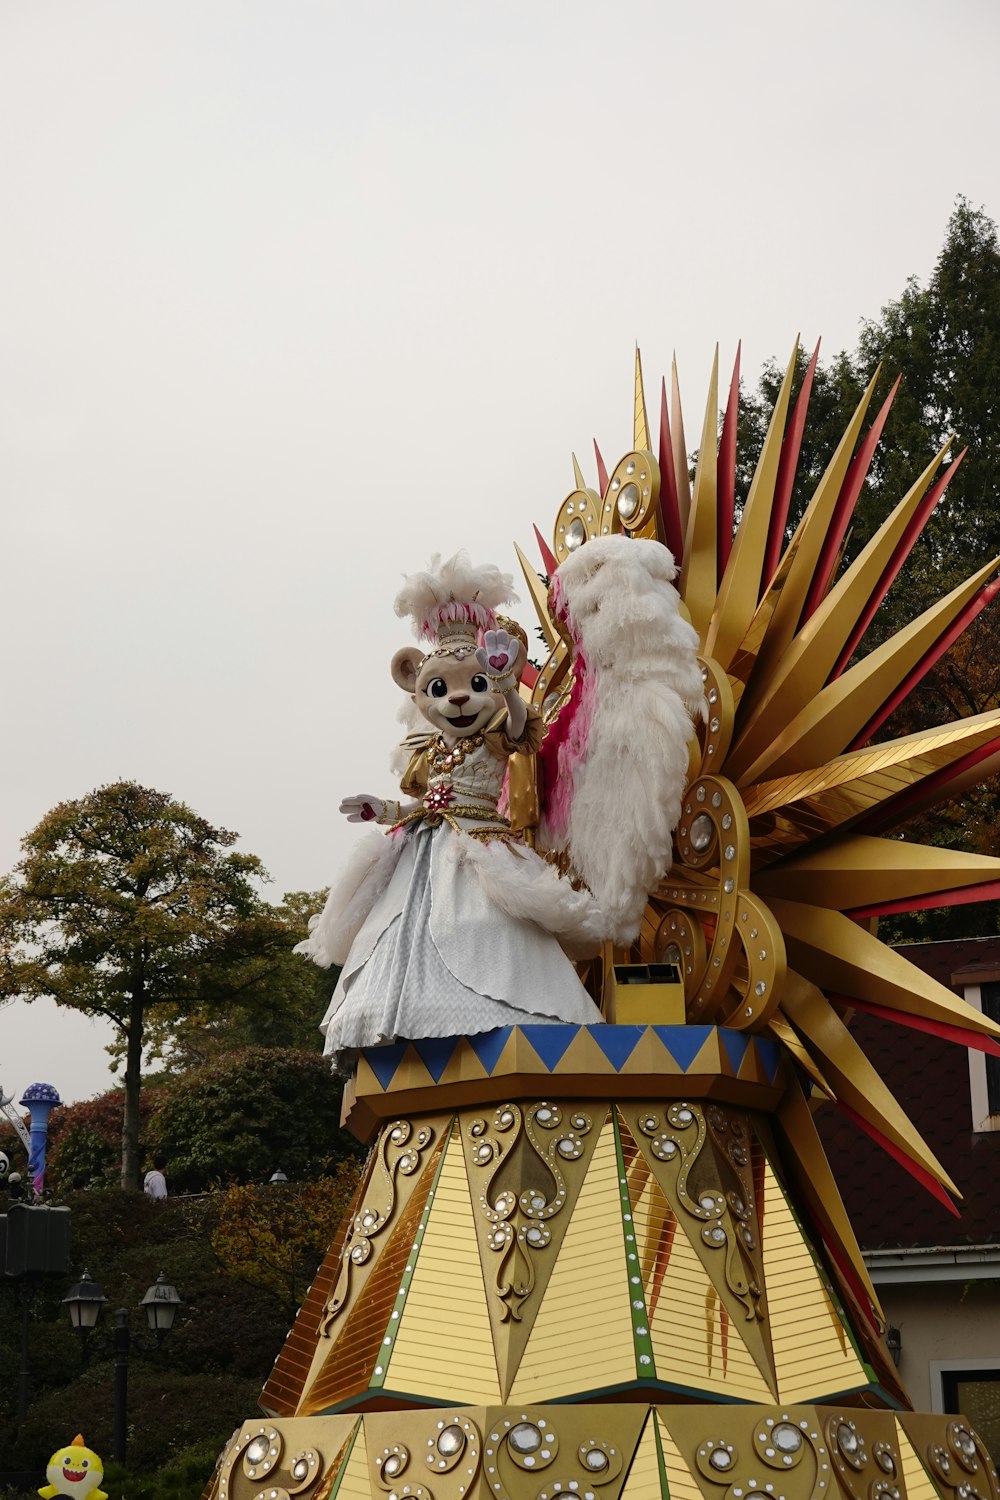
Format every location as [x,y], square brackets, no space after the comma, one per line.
[943,1324]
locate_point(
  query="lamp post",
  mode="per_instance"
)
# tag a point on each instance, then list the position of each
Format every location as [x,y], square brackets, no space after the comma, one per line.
[84,1302]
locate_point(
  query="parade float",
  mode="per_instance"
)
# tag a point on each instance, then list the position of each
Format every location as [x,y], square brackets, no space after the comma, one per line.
[597,972]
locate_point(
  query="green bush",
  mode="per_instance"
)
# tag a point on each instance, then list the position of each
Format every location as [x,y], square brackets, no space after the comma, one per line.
[239,1118]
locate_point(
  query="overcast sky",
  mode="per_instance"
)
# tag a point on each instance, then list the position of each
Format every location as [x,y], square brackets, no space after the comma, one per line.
[295,292]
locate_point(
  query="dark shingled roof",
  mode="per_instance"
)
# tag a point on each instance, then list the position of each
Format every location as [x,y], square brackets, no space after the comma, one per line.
[930,1078]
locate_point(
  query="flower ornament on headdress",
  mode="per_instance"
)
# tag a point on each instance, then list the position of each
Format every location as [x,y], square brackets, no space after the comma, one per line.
[452,603]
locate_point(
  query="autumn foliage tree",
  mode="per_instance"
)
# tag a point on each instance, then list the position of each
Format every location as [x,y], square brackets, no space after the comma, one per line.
[941,339]
[126,904]
[273,1237]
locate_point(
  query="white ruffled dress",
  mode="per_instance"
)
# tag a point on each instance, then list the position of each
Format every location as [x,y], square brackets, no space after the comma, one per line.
[443,949]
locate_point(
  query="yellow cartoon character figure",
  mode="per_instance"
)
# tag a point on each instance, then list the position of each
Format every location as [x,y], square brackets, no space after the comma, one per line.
[74,1470]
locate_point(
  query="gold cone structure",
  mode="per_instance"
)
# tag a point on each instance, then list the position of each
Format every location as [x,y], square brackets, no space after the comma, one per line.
[612,1261]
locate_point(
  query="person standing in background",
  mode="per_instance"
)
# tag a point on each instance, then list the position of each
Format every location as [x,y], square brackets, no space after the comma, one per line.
[155,1184]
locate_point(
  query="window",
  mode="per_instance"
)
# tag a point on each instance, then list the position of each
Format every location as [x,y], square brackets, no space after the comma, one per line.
[990,995]
[984,1071]
[976,1394]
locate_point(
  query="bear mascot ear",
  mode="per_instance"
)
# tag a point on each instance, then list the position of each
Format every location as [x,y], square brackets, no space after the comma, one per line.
[404,668]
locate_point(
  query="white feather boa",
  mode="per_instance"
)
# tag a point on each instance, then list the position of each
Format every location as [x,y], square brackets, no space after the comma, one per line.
[629,767]
[363,879]
[515,880]
[521,884]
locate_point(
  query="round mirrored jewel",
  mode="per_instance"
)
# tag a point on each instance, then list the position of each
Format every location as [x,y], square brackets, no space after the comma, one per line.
[721,1459]
[628,501]
[596,1459]
[393,1465]
[576,534]
[965,1442]
[786,1438]
[716,1235]
[525,1438]
[257,1451]
[847,1440]
[701,832]
[451,1440]
[300,1468]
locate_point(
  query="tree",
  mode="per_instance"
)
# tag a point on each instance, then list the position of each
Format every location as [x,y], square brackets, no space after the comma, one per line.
[128,905]
[283,1008]
[242,1115]
[274,1237]
[943,340]
[85,1139]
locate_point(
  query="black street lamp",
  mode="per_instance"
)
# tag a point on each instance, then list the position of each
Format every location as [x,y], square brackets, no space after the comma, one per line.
[84,1302]
[161,1303]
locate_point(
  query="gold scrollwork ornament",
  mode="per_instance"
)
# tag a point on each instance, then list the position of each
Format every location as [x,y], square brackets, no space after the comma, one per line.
[519,1223]
[456,1440]
[400,1153]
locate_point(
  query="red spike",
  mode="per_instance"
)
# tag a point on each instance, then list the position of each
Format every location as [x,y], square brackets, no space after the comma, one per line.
[669,506]
[726,471]
[855,477]
[848,1272]
[917,523]
[549,560]
[787,465]
[887,814]
[961,622]
[943,1029]
[915,1170]
[965,895]
[602,473]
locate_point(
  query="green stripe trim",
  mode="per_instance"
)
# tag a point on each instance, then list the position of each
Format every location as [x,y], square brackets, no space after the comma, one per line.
[389,1341]
[645,1367]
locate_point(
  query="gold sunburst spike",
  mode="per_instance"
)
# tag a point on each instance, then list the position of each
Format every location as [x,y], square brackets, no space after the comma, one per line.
[855,1080]
[641,423]
[828,949]
[811,656]
[740,587]
[679,445]
[743,661]
[830,721]
[539,599]
[816,1182]
[808,540]
[578,478]
[790,1041]
[861,871]
[865,787]
[699,577]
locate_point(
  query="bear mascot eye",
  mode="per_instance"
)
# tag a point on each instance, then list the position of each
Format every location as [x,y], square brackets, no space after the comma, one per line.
[480,684]
[437,688]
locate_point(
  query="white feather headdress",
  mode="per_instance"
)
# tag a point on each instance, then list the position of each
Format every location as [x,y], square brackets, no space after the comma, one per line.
[454,598]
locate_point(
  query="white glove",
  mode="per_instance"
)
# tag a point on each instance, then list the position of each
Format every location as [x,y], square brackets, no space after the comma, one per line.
[498,657]
[362,809]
